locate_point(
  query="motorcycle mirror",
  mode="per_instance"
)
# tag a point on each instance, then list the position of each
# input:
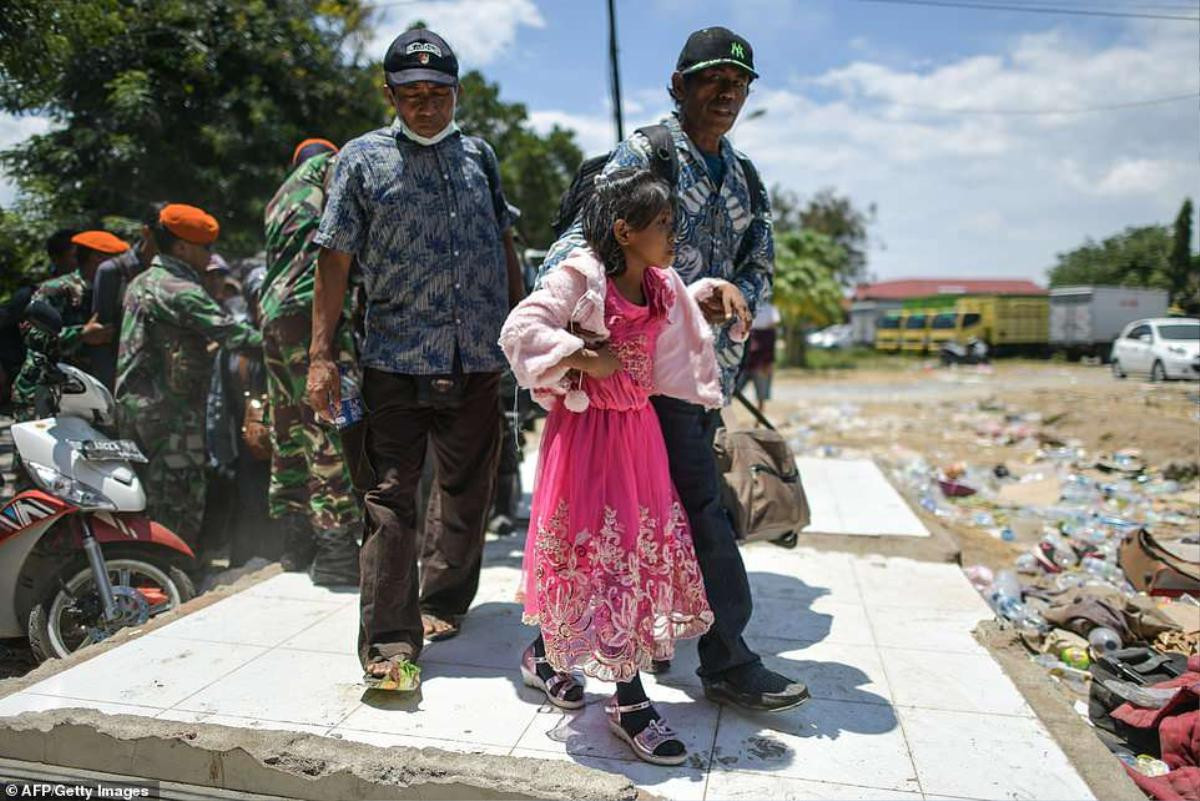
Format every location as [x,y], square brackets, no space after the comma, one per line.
[43,316]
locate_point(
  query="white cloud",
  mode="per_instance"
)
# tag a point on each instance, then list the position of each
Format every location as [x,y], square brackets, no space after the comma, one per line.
[991,194]
[478,30]
[13,130]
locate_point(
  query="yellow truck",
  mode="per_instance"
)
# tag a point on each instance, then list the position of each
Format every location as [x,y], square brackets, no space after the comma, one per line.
[1007,323]
[914,336]
[887,332]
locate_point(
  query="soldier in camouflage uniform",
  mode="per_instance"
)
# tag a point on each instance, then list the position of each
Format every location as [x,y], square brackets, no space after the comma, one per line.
[164,366]
[310,485]
[71,295]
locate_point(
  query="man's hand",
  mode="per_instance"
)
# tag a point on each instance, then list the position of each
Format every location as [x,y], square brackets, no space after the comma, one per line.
[324,387]
[95,332]
[725,303]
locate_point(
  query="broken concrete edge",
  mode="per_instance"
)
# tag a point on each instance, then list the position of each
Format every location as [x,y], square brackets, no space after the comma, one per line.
[291,764]
[1104,774]
[52,667]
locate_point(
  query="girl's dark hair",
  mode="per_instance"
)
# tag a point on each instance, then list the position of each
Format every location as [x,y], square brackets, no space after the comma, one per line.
[633,194]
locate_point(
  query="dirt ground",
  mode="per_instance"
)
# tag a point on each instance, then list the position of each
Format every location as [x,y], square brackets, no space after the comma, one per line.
[1019,414]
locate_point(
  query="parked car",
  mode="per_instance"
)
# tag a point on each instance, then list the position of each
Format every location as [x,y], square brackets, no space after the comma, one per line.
[833,337]
[1161,348]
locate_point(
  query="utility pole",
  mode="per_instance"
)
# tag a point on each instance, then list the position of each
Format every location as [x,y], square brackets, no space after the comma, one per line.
[615,77]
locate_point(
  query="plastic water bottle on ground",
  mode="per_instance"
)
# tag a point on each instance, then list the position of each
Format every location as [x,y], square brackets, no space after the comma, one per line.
[1102,639]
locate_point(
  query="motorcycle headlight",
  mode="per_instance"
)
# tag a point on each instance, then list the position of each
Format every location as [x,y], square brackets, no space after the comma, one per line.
[76,492]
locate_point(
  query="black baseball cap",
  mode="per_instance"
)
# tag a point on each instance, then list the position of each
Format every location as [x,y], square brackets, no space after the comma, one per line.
[420,55]
[709,47]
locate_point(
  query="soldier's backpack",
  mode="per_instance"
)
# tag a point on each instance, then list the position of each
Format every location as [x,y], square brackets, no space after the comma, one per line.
[664,162]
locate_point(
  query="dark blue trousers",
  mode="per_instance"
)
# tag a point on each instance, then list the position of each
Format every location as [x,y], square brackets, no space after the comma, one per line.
[688,430]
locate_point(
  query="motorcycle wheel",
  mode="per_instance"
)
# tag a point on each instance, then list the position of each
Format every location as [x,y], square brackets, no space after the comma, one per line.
[70,617]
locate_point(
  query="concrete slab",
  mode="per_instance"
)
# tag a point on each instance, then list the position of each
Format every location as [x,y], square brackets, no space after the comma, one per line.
[847,496]
[885,643]
[853,497]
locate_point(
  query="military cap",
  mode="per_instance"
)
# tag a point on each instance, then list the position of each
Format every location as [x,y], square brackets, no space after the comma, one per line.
[101,241]
[190,223]
[312,147]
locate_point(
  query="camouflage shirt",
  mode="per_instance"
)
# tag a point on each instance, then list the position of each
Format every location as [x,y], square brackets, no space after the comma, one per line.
[71,296]
[168,322]
[291,223]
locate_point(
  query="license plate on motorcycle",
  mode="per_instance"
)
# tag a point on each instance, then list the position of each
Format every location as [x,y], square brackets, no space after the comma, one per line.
[112,450]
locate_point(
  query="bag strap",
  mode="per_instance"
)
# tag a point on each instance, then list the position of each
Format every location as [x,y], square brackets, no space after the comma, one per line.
[754,412]
[664,161]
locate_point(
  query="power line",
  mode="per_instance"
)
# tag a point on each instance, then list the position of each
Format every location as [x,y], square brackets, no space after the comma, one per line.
[1049,112]
[1035,10]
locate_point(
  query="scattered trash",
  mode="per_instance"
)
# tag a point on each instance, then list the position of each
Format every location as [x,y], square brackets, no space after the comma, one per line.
[1102,639]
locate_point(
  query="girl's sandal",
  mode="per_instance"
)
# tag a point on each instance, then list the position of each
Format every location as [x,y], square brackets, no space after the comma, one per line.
[402,675]
[647,741]
[556,688]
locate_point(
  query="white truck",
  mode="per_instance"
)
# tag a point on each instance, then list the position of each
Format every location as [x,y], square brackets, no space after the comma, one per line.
[1084,320]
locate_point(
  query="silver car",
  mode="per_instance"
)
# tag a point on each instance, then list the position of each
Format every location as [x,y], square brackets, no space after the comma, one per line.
[1161,348]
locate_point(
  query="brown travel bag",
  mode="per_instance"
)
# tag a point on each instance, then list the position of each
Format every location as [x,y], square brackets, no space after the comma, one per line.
[761,487]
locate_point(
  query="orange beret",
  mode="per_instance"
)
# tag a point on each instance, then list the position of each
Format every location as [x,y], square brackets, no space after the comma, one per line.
[190,223]
[101,241]
[325,143]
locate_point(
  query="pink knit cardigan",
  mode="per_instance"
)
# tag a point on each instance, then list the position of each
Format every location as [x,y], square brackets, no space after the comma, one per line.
[537,336]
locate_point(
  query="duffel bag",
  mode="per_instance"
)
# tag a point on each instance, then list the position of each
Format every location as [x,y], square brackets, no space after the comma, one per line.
[761,487]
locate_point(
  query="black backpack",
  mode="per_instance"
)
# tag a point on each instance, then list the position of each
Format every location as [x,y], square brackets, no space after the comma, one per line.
[664,162]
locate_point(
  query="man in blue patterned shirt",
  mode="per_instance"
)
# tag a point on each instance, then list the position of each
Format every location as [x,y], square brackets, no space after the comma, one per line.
[720,233]
[419,208]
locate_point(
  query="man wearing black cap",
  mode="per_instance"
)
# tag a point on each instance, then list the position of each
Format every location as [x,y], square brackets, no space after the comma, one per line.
[722,236]
[419,207]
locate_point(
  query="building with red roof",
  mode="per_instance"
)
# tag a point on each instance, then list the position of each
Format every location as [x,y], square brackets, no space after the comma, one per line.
[869,302]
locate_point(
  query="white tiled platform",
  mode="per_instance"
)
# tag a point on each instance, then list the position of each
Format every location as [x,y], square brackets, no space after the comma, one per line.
[852,496]
[906,703]
[846,496]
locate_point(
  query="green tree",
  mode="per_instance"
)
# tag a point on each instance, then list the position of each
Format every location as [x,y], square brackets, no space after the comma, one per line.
[1183,267]
[1138,256]
[535,169]
[833,215]
[198,101]
[806,291]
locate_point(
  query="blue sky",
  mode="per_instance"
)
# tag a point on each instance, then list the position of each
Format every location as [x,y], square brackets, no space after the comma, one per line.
[885,103]
[964,194]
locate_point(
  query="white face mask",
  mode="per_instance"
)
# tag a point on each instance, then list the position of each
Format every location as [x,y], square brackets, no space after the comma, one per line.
[427,140]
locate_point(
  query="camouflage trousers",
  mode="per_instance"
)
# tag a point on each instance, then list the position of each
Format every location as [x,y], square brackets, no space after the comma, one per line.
[172,438]
[308,468]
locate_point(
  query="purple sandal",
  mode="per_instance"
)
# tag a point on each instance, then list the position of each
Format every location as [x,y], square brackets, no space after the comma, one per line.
[646,741]
[556,688]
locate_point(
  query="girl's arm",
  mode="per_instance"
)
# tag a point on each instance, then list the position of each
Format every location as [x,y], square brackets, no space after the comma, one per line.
[535,339]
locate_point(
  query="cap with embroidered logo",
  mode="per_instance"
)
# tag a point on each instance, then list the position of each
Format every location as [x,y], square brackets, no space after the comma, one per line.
[711,47]
[420,55]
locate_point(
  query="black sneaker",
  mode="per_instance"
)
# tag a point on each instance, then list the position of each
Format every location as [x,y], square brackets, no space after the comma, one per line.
[755,688]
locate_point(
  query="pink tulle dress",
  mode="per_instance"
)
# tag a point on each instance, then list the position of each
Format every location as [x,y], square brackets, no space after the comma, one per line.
[610,570]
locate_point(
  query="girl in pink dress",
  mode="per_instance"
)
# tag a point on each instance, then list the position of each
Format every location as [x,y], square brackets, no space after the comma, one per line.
[610,574]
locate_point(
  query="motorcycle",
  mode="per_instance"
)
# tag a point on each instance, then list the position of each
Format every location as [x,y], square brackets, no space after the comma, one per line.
[79,559]
[975,351]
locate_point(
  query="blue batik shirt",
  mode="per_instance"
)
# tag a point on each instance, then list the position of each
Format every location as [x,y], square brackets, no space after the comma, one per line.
[716,233]
[426,225]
